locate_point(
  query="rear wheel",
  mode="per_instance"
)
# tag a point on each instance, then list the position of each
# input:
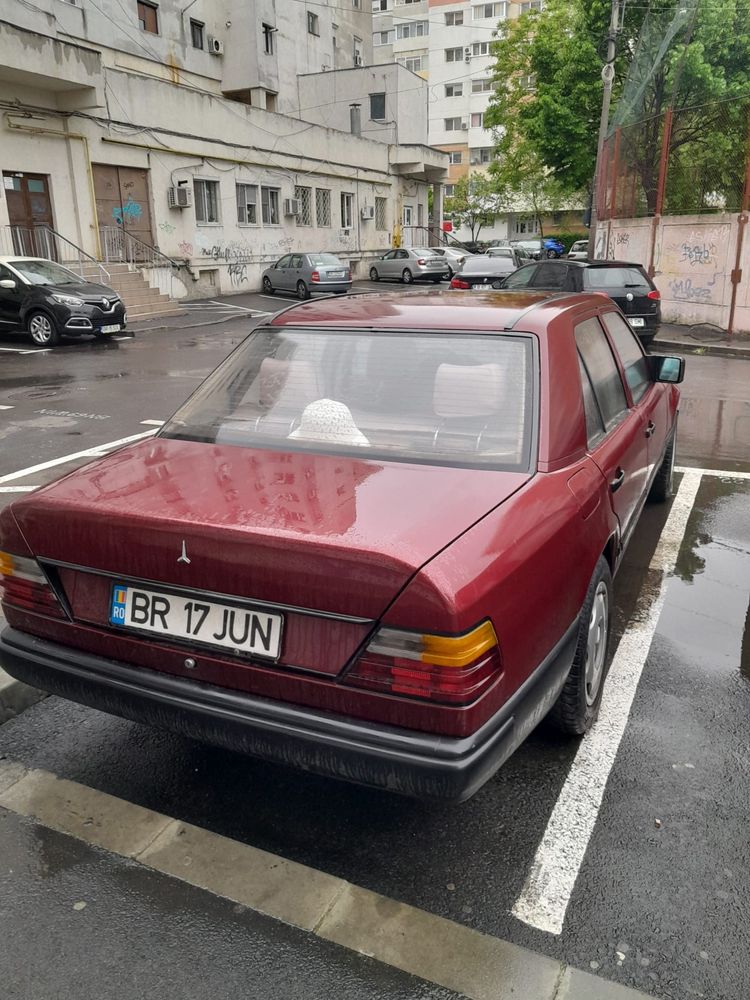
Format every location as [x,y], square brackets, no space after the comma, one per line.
[552,254]
[577,707]
[42,329]
[450,272]
[302,290]
[267,286]
[663,484]
[407,277]
[374,276]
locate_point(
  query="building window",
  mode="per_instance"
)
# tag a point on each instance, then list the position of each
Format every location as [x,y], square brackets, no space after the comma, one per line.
[415,63]
[379,5]
[269,205]
[206,202]
[452,124]
[357,4]
[323,207]
[268,33]
[408,215]
[382,38]
[454,55]
[304,197]
[477,119]
[481,86]
[148,17]
[412,29]
[313,23]
[347,209]
[247,204]
[449,190]
[484,154]
[454,17]
[526,225]
[496,10]
[380,210]
[531,5]
[377,107]
[357,51]
[480,49]
[454,89]
[527,82]
[196,34]
[456,157]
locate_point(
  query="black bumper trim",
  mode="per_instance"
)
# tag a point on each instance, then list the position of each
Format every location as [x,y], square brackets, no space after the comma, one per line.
[421,765]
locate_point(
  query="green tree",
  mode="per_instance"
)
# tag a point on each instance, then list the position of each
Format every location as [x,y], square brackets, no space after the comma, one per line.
[549,90]
[475,203]
[524,185]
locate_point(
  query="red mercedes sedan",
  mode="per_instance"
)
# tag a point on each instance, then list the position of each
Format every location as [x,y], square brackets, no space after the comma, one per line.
[377,543]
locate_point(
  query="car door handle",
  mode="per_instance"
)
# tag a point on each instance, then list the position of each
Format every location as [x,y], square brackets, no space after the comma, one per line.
[650,428]
[617,481]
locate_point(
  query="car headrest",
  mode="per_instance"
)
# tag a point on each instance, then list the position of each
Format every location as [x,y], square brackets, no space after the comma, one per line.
[468,390]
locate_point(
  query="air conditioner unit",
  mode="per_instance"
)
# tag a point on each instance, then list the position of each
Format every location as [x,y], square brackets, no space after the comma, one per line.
[215,46]
[368,212]
[467,53]
[179,197]
[291,206]
[464,125]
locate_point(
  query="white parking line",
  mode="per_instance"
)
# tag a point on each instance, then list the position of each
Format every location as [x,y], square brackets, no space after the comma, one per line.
[95,452]
[19,350]
[153,423]
[17,489]
[544,900]
[721,473]
[6,407]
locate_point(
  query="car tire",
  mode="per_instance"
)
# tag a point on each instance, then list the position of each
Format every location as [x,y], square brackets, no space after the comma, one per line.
[267,286]
[407,277]
[303,292]
[662,486]
[552,254]
[374,276]
[577,707]
[450,273]
[42,329]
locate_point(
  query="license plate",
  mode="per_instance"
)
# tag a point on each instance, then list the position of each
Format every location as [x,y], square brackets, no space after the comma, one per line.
[189,618]
[112,328]
[337,274]
[479,288]
[637,321]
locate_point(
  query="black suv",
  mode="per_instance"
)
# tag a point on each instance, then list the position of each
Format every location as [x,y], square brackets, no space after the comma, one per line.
[49,300]
[627,284]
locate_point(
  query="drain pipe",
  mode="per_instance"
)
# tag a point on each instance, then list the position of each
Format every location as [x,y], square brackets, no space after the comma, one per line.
[37,130]
[742,220]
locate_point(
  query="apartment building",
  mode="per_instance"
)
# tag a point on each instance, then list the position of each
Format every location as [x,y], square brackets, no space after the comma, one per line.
[449,43]
[171,136]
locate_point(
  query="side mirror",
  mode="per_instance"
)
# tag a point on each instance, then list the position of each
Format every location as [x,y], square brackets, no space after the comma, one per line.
[8,284]
[499,283]
[667,369]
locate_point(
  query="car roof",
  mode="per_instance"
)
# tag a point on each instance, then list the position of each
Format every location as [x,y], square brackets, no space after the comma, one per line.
[18,257]
[488,312]
[588,264]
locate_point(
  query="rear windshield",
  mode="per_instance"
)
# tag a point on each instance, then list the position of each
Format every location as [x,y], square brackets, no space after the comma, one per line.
[452,399]
[615,277]
[324,260]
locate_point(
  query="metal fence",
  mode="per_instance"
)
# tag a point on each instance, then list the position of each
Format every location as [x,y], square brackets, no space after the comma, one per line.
[686,161]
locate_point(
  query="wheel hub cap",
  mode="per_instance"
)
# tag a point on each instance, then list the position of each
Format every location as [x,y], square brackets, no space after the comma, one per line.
[596,648]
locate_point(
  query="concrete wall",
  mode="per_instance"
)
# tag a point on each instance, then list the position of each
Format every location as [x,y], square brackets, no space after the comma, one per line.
[693,260]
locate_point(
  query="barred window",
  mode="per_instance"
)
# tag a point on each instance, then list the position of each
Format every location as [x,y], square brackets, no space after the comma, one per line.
[323,207]
[380,210]
[304,196]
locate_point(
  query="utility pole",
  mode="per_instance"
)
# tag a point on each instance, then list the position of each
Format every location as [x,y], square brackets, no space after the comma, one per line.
[608,75]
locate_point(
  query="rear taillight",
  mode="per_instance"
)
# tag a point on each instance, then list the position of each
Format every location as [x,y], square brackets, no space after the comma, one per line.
[315,276]
[421,262]
[656,294]
[459,283]
[453,670]
[24,585]
[348,275]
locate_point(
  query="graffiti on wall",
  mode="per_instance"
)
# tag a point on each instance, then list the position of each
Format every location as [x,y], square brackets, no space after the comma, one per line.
[237,274]
[693,260]
[129,211]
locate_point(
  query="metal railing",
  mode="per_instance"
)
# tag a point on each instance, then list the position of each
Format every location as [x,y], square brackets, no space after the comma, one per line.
[43,241]
[119,246]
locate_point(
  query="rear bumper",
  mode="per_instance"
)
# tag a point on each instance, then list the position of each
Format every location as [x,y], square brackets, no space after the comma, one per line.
[417,764]
[329,286]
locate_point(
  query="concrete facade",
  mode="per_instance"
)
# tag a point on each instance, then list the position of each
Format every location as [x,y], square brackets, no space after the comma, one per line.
[113,97]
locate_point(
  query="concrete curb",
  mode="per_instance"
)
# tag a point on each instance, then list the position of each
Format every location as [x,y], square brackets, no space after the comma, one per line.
[16,697]
[190,326]
[713,350]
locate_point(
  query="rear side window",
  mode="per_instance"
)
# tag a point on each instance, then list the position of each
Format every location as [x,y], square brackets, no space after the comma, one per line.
[634,362]
[604,278]
[551,276]
[521,278]
[594,424]
[600,364]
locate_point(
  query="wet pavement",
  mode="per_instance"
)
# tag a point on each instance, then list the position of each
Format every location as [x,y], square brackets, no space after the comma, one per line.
[660,901]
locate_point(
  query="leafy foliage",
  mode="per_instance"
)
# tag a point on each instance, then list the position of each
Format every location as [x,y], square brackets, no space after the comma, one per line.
[474,203]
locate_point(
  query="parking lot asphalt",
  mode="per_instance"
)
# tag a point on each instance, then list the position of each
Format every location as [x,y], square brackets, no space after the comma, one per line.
[658,901]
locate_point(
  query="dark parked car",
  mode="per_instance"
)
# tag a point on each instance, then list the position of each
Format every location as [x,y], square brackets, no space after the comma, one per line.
[48,300]
[626,284]
[377,543]
[305,273]
[483,272]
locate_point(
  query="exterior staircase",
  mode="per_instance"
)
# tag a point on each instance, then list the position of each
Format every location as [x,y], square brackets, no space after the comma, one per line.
[141,300]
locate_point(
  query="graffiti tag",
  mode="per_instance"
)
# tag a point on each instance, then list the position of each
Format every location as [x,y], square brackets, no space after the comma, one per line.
[167,227]
[238,273]
[698,253]
[684,289]
[186,249]
[131,211]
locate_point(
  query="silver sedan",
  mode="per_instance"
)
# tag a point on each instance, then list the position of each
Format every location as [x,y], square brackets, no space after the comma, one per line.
[305,273]
[410,264]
